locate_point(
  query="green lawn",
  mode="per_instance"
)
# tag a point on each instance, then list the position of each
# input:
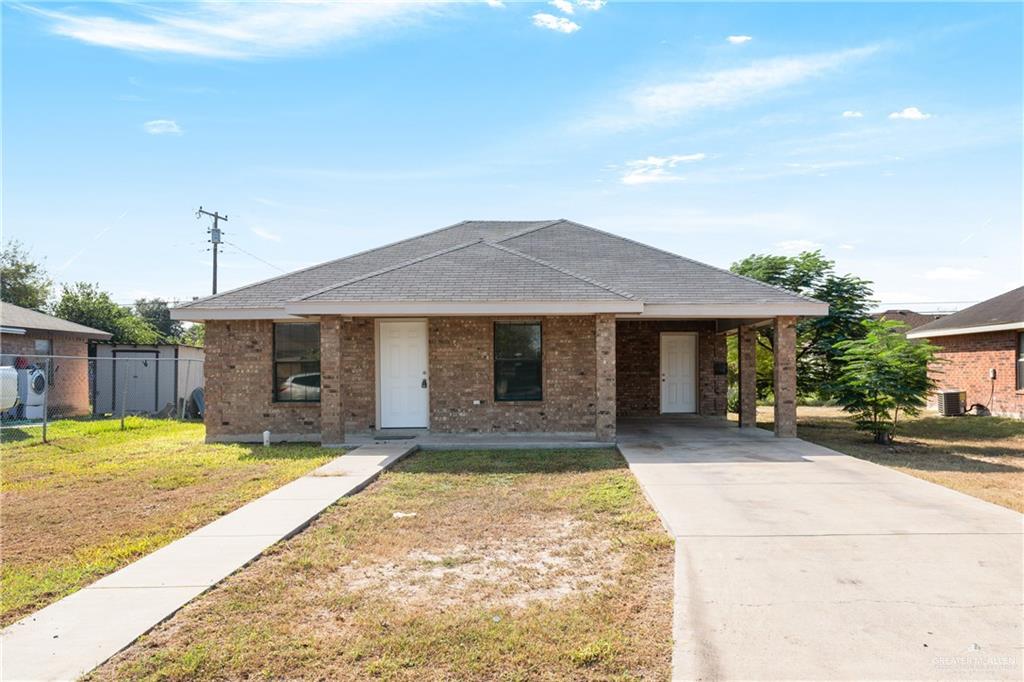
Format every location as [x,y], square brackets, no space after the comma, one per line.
[505,565]
[96,498]
[980,456]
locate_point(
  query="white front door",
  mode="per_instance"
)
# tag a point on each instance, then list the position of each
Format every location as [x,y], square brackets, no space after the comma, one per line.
[678,372]
[403,374]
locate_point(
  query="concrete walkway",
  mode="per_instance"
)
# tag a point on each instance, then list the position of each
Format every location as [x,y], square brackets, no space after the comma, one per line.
[795,562]
[74,635]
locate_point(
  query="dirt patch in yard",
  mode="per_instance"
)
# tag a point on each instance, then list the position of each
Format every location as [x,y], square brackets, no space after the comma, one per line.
[455,565]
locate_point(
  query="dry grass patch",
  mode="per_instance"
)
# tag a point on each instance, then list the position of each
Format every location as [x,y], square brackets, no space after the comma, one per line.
[515,566]
[980,456]
[96,498]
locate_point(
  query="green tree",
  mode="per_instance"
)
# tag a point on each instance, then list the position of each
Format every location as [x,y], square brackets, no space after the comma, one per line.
[84,303]
[849,301]
[882,375]
[157,313]
[23,281]
[193,335]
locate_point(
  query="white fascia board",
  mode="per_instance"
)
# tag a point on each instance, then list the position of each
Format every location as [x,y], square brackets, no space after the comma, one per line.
[196,314]
[370,308]
[957,331]
[736,310]
[12,330]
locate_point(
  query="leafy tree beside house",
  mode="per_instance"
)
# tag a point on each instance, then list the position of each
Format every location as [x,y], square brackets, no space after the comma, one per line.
[86,304]
[157,313]
[23,282]
[849,301]
[883,376]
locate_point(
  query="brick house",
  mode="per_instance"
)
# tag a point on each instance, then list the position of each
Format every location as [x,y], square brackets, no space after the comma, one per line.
[26,335]
[489,327]
[982,353]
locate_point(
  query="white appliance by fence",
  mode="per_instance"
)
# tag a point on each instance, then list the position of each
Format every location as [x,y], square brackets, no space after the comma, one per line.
[32,388]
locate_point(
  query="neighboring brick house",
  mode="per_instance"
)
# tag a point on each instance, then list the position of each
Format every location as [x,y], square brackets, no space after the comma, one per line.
[28,335]
[489,327]
[982,353]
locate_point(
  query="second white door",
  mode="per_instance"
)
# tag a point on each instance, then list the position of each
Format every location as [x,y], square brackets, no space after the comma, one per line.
[403,374]
[678,372]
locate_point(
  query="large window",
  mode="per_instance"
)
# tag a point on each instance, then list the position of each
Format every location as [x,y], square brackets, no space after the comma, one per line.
[1020,361]
[517,361]
[297,362]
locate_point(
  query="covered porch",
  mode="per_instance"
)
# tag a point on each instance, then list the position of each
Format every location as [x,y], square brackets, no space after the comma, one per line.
[675,370]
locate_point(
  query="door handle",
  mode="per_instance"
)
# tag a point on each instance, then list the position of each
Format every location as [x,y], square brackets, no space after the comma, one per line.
[423,384]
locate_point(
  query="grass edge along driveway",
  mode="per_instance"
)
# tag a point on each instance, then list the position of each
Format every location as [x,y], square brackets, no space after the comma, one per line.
[495,565]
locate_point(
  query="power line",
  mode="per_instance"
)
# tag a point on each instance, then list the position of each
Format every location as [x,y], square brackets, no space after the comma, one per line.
[252,255]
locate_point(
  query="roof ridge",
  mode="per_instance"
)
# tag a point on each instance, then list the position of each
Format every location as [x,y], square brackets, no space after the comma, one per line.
[320,265]
[696,262]
[565,271]
[533,228]
[390,268]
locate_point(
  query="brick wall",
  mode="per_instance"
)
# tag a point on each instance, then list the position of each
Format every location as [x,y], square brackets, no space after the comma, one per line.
[358,367]
[638,366]
[239,386]
[69,392]
[965,362]
[462,370]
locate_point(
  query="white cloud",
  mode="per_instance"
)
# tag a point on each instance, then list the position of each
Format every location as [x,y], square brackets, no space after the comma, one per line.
[792,247]
[265,234]
[162,126]
[853,114]
[847,247]
[563,6]
[231,30]
[560,24]
[665,102]
[951,274]
[657,168]
[739,40]
[592,5]
[495,3]
[910,114]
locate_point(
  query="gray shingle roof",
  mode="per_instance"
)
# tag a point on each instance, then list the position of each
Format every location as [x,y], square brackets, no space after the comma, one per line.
[507,260]
[24,318]
[1004,309]
[476,271]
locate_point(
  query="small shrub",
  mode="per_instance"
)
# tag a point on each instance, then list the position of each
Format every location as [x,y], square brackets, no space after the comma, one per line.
[592,653]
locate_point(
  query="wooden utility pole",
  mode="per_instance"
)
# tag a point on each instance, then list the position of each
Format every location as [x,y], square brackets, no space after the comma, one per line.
[215,235]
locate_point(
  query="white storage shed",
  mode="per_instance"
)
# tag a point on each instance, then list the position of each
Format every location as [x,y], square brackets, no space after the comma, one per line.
[144,379]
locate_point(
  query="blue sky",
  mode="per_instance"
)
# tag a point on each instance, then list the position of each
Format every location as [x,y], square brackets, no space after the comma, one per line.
[888,135]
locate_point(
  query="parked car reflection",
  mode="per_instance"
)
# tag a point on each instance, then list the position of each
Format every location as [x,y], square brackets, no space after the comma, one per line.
[299,387]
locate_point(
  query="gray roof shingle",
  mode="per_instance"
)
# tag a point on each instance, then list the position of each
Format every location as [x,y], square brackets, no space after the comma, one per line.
[23,318]
[1004,309]
[507,260]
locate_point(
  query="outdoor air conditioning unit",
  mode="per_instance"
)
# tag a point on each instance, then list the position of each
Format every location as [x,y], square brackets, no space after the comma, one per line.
[952,403]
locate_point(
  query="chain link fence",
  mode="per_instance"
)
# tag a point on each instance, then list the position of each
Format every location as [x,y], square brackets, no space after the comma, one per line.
[40,391]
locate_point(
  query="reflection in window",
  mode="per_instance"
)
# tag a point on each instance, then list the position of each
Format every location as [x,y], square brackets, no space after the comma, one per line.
[297,362]
[517,361]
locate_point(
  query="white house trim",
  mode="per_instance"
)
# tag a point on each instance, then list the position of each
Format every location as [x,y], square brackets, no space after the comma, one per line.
[739,310]
[414,308]
[956,331]
[195,314]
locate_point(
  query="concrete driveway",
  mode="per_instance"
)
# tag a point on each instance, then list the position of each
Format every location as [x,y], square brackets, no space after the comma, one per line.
[795,562]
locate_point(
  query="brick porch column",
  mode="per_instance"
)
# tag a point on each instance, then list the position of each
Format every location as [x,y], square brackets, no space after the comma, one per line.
[747,352]
[332,424]
[604,327]
[785,377]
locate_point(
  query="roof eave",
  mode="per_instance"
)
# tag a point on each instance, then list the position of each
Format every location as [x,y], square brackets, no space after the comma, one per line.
[736,310]
[502,307]
[922,333]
